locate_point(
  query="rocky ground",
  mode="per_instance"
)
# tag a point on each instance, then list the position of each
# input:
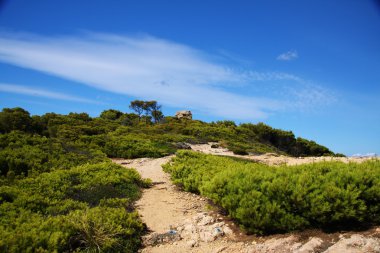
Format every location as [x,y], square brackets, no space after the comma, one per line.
[272,158]
[183,222]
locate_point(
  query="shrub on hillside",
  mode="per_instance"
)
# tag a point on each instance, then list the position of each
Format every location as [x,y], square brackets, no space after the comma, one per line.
[265,199]
[134,146]
[25,154]
[84,208]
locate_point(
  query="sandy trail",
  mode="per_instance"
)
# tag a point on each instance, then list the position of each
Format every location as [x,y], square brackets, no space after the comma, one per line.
[161,205]
[275,159]
[165,208]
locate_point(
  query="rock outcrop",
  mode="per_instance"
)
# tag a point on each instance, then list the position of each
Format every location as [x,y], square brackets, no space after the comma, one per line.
[184,115]
[181,145]
[200,228]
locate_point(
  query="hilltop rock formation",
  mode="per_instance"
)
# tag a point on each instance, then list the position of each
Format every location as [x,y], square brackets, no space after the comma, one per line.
[184,115]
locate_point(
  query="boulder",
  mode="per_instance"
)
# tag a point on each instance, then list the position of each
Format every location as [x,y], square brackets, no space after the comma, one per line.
[156,238]
[184,115]
[181,145]
[311,246]
[356,244]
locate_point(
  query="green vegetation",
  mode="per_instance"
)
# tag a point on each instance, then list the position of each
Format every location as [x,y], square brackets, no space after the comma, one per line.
[60,193]
[23,154]
[265,199]
[87,208]
[77,137]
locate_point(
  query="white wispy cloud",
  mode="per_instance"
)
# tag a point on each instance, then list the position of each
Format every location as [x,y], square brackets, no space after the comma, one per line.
[36,92]
[288,56]
[148,68]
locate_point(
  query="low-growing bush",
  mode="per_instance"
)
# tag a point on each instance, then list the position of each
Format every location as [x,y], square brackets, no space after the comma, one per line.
[239,151]
[128,135]
[265,199]
[87,208]
[29,155]
[134,146]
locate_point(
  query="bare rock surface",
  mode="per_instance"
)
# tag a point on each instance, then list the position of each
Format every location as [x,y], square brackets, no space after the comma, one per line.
[355,244]
[272,158]
[184,115]
[310,246]
[178,221]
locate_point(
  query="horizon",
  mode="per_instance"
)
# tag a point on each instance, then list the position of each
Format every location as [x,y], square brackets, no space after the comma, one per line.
[310,68]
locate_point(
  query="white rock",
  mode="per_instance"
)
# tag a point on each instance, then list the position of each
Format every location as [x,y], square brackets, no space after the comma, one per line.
[191,243]
[205,221]
[227,230]
[285,244]
[206,236]
[310,246]
[355,244]
[218,224]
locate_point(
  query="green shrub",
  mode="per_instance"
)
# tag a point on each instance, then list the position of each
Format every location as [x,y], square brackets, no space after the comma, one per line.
[119,134]
[26,154]
[265,199]
[238,150]
[134,146]
[87,208]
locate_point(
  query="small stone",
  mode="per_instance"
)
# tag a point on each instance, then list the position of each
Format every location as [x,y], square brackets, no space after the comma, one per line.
[205,221]
[310,246]
[227,230]
[218,224]
[207,236]
[191,243]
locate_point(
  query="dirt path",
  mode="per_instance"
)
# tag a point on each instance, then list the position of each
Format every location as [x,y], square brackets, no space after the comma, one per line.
[275,159]
[183,222]
[162,205]
[165,210]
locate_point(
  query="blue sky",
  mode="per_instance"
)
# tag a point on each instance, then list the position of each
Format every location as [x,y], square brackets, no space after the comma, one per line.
[312,67]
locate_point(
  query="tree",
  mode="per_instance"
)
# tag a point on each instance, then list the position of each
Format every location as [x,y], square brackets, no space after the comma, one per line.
[157,115]
[155,111]
[138,106]
[148,108]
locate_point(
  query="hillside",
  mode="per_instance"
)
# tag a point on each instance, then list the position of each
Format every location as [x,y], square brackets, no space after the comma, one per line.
[126,135]
[180,221]
[59,191]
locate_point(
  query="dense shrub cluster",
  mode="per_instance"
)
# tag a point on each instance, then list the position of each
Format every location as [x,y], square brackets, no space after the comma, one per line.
[134,145]
[25,154]
[265,199]
[84,208]
[56,195]
[130,135]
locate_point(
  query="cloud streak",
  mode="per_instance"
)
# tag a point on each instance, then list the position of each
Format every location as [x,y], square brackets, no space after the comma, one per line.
[36,92]
[288,56]
[147,68]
